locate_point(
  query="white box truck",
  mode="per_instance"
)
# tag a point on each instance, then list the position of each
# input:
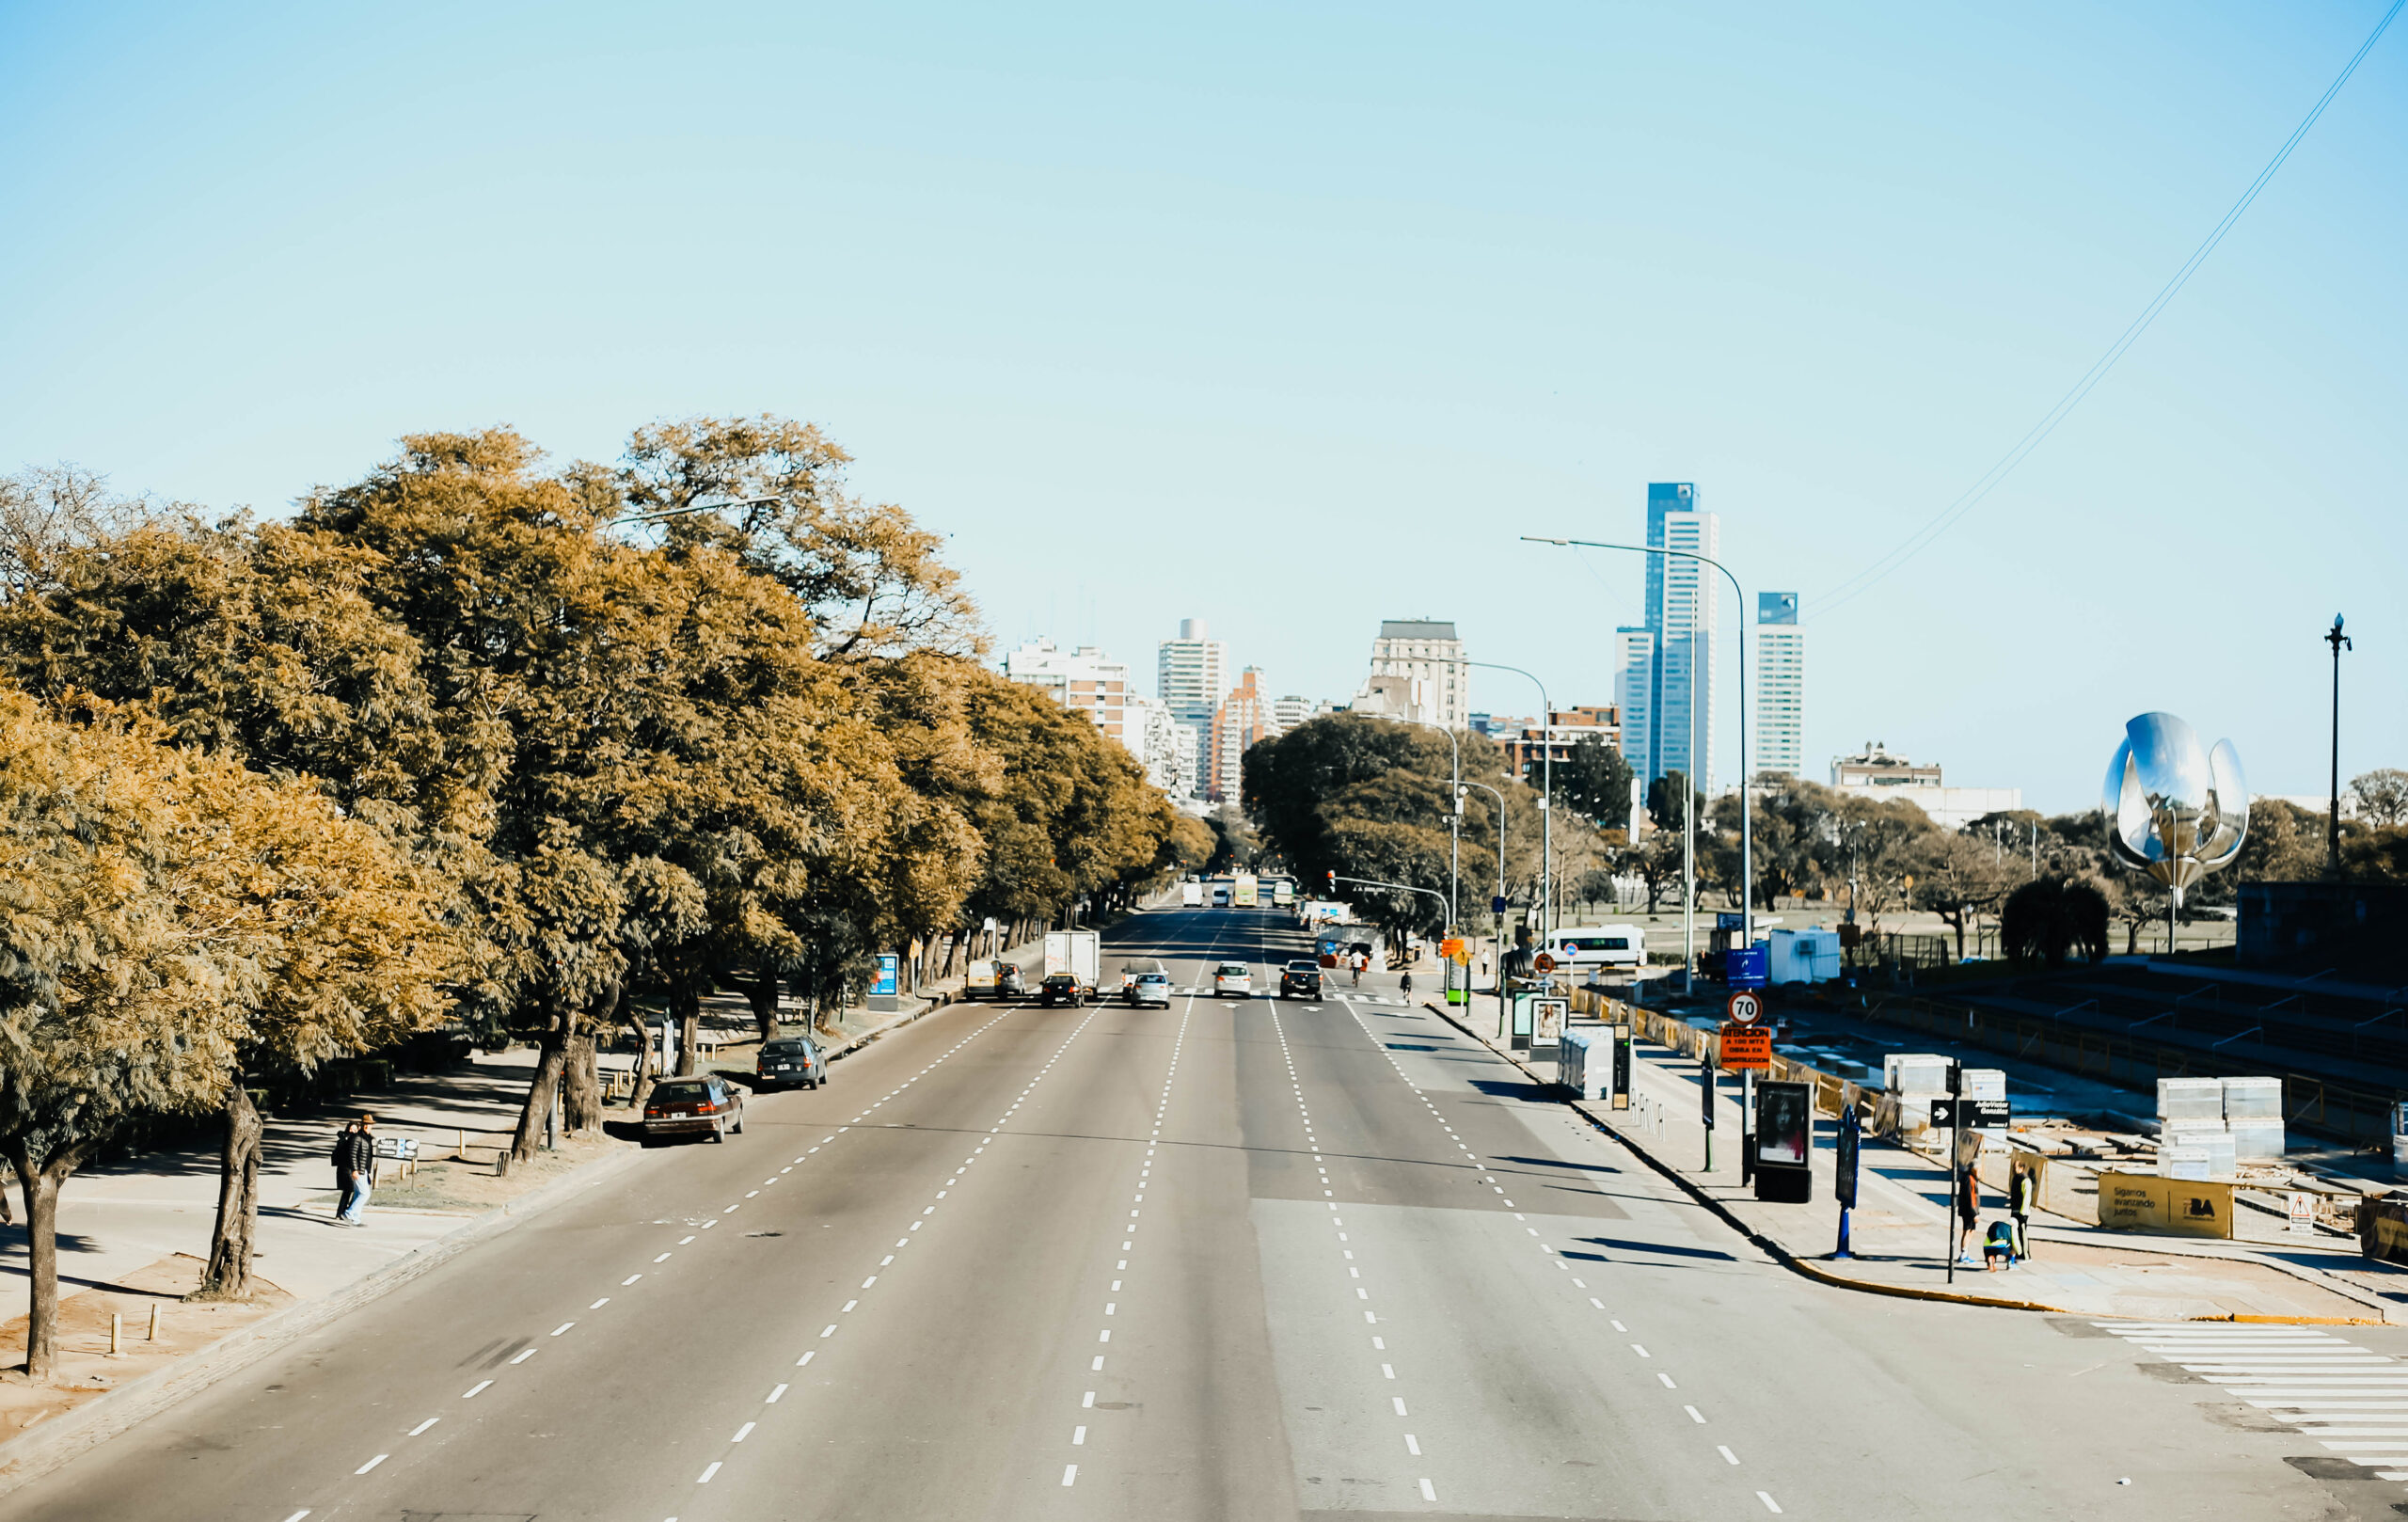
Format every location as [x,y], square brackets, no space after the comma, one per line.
[1079,953]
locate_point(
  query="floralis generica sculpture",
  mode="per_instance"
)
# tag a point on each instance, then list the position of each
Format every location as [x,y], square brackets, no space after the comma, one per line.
[2176,809]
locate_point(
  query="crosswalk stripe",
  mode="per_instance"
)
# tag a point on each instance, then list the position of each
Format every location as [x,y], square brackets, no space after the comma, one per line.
[2352,1400]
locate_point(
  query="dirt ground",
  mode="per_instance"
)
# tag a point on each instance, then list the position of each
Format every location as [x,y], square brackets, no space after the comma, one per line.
[85,1367]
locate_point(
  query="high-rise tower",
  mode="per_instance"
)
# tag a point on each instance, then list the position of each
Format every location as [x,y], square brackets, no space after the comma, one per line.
[1665,669]
[1779,728]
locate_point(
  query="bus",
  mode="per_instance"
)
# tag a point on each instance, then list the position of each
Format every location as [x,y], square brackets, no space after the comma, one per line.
[1242,890]
[1283,891]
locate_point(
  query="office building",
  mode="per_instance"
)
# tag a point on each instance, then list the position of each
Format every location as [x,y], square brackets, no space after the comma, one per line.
[1164,747]
[1290,711]
[1084,680]
[1190,675]
[1665,668]
[1417,674]
[1777,725]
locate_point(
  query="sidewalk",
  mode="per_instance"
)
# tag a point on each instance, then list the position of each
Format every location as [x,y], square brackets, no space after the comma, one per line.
[1900,1230]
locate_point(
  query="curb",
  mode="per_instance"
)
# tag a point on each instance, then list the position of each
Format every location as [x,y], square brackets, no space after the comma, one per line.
[51,1444]
[1806,1269]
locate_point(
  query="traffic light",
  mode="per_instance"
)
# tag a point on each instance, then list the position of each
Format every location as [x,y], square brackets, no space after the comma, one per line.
[1333,882]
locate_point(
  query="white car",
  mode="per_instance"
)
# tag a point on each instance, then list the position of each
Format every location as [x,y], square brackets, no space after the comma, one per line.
[1233,977]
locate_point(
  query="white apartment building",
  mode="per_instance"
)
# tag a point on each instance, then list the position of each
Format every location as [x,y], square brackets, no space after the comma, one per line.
[1191,676]
[1879,772]
[1085,679]
[1290,711]
[1156,739]
[1777,725]
[1428,658]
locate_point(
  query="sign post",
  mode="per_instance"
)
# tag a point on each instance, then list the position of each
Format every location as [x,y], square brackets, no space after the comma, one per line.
[1949,1243]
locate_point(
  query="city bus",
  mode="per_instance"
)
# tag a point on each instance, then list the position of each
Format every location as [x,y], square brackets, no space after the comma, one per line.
[1283,891]
[1242,890]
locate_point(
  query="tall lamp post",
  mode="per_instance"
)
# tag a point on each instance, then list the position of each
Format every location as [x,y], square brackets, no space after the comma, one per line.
[2339,642]
[1546,788]
[1499,936]
[1747,811]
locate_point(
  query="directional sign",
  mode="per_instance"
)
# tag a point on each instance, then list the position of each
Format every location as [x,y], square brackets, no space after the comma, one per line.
[1747,967]
[1972,1115]
[1743,1007]
[1746,1047]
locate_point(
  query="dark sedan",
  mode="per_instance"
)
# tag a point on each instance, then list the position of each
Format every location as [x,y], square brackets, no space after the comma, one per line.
[1300,980]
[693,1107]
[1061,988]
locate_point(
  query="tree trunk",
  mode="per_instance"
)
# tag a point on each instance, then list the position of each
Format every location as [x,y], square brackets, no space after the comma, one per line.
[643,1090]
[539,1093]
[763,996]
[40,1182]
[581,1074]
[688,1005]
[228,1274]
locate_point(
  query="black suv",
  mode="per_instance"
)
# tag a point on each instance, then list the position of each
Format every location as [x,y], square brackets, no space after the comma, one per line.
[1300,980]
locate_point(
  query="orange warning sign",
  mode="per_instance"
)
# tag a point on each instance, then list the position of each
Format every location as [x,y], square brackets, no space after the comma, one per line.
[1747,1047]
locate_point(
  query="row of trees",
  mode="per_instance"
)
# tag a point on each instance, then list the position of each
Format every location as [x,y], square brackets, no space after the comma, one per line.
[472,740]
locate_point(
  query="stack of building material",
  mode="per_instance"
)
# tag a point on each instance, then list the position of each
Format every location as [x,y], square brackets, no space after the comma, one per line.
[2191,1141]
[2253,1114]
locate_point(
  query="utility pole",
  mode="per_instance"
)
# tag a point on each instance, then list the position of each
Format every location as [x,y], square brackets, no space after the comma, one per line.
[2339,642]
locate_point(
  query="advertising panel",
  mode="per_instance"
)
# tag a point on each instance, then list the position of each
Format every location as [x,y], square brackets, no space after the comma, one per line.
[2178,1207]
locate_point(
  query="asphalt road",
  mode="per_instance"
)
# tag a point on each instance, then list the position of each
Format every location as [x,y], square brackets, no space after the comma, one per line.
[1232,1259]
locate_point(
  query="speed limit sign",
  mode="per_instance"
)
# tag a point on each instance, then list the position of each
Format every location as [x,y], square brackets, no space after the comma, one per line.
[1743,1007]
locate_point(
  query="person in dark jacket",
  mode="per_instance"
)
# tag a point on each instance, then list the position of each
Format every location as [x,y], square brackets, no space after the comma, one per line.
[361,1142]
[345,1178]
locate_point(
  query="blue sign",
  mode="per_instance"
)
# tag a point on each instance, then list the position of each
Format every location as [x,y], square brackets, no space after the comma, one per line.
[887,966]
[1496,906]
[1747,967]
[1725,920]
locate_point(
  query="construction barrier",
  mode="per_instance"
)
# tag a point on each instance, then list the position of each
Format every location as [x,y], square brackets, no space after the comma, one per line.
[2177,1206]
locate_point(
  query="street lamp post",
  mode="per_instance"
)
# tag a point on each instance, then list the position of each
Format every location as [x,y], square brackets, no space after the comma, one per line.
[1747,812]
[1547,786]
[1499,936]
[2339,642]
[1455,819]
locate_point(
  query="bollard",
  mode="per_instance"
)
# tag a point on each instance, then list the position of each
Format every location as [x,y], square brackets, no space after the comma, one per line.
[116,1330]
[154,1322]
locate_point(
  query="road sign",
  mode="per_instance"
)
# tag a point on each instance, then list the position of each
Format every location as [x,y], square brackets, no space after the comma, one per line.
[1452,948]
[2303,1213]
[1746,1048]
[1545,964]
[1971,1115]
[1747,967]
[1496,906]
[1743,1007]
[1727,920]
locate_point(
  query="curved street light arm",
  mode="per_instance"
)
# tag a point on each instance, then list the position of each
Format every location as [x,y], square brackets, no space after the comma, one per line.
[1746,809]
[1547,791]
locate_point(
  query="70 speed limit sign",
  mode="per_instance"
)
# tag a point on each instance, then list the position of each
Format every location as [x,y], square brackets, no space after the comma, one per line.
[1743,1007]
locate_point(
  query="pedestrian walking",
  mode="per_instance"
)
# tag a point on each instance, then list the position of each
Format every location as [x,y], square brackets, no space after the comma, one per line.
[1969,1216]
[344,1178]
[2024,1191]
[363,1170]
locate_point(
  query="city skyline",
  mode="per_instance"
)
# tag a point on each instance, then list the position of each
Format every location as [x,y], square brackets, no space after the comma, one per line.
[1597,299]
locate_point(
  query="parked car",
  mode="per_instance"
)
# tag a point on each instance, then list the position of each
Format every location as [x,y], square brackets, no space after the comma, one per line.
[790,1060]
[1233,977]
[1060,988]
[1149,982]
[693,1107]
[1300,980]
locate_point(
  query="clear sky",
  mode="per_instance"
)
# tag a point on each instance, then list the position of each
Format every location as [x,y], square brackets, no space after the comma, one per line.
[1296,317]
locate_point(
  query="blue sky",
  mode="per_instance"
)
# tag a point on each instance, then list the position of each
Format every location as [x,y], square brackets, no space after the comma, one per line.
[1294,318]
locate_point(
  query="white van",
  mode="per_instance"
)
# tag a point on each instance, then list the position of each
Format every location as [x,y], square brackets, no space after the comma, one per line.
[1190,893]
[1584,947]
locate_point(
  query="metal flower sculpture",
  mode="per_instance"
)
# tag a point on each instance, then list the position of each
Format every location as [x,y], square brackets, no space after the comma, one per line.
[2175,809]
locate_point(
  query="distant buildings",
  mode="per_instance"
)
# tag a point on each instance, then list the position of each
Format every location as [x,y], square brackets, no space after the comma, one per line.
[1084,680]
[1877,772]
[1565,729]
[1663,670]
[1191,674]
[1290,711]
[1778,726]
[1417,674]
[1244,719]
[1166,748]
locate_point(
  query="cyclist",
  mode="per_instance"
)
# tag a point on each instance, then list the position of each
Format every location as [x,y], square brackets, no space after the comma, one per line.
[1404,986]
[1355,966]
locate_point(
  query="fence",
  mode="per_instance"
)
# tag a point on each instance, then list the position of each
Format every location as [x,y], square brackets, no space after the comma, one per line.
[2314,1104]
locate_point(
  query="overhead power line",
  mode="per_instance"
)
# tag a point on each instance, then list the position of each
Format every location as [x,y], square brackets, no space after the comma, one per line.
[1921,538]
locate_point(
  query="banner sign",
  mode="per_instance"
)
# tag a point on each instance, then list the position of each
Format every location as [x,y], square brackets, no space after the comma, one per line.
[1746,1048]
